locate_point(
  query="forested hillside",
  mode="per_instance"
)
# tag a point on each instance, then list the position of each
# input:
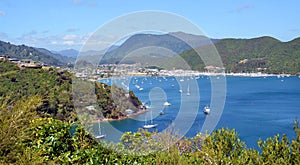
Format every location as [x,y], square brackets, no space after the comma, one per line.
[36,54]
[54,87]
[32,101]
[264,54]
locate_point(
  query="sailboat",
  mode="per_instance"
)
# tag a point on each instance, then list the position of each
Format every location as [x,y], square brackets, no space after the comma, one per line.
[100,136]
[188,90]
[167,103]
[151,125]
[206,110]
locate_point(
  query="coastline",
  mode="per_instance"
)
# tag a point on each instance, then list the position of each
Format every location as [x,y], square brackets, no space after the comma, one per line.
[186,73]
[121,118]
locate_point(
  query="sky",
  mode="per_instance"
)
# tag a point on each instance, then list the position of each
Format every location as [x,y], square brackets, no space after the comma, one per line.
[65,24]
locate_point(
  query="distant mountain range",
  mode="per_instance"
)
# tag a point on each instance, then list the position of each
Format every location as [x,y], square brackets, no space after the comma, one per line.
[67,53]
[265,54]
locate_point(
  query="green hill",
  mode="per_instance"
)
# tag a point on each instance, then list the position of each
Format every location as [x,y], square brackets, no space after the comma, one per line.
[141,46]
[36,54]
[54,87]
[264,54]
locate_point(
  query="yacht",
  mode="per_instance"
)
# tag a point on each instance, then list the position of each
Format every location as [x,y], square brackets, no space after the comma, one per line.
[167,103]
[188,90]
[100,136]
[206,110]
[151,125]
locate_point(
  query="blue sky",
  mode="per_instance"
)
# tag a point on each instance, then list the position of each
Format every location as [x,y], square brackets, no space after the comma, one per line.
[65,24]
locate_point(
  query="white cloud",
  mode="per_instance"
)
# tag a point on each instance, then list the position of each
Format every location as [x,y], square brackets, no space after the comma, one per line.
[54,42]
[69,37]
[2,13]
[60,42]
[68,43]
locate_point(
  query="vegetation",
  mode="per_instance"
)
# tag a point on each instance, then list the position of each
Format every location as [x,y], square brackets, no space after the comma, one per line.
[32,101]
[36,54]
[264,54]
[54,88]
[27,139]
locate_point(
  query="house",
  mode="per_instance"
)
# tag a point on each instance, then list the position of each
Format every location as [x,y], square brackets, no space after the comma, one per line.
[28,63]
[13,60]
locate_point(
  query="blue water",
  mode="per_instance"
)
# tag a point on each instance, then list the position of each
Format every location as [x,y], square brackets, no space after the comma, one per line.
[257,108]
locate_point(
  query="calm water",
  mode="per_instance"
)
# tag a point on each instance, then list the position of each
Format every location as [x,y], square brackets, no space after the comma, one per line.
[255,107]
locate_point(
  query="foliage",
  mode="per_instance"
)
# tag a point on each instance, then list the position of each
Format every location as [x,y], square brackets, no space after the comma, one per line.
[55,88]
[7,67]
[262,52]
[26,138]
[15,121]
[26,52]
[50,141]
[113,101]
[52,85]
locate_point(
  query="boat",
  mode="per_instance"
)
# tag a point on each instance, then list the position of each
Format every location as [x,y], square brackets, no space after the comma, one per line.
[151,125]
[161,113]
[188,90]
[167,103]
[206,110]
[100,136]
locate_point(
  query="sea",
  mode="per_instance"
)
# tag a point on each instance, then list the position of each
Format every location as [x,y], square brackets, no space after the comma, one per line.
[256,107]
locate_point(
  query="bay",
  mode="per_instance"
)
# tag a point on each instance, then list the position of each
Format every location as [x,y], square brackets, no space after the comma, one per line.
[256,107]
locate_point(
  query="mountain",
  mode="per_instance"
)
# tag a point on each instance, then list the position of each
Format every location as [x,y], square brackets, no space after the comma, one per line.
[264,54]
[139,46]
[63,59]
[73,54]
[68,53]
[36,54]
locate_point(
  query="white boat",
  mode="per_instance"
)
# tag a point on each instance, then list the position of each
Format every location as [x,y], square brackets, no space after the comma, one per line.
[167,103]
[206,110]
[141,89]
[148,126]
[151,125]
[100,136]
[180,91]
[188,90]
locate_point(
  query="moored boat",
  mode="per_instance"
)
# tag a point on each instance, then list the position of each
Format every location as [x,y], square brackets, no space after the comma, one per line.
[206,110]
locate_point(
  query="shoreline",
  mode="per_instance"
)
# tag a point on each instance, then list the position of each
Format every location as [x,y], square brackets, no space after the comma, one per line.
[121,118]
[197,74]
